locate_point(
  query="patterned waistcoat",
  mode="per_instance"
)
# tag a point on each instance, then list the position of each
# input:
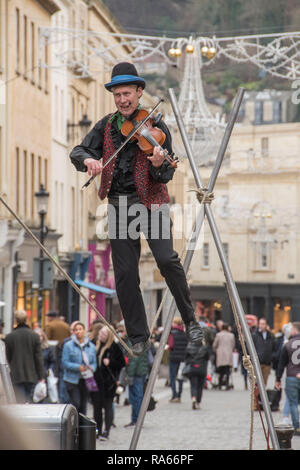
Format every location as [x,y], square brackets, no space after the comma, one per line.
[151,193]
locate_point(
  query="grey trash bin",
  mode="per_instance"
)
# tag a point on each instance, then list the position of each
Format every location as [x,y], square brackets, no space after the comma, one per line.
[87,433]
[48,427]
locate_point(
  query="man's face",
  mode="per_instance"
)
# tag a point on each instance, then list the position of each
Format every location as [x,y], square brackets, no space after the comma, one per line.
[127,98]
[262,325]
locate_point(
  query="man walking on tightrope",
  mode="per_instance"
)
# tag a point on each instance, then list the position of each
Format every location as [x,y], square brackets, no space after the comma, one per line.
[135,183]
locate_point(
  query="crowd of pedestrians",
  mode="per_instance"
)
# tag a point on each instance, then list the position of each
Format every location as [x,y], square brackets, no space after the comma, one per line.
[93,367]
[77,358]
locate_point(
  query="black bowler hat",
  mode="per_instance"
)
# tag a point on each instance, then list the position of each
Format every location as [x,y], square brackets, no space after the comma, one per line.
[52,313]
[124,73]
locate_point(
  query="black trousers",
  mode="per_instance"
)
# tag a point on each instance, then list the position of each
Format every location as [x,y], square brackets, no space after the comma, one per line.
[124,232]
[224,374]
[78,395]
[100,404]
[197,384]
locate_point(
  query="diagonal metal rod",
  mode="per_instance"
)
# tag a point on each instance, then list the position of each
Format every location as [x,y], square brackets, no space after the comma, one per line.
[189,253]
[233,293]
[65,274]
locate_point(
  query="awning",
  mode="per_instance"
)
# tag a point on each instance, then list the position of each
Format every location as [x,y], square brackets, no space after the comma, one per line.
[96,288]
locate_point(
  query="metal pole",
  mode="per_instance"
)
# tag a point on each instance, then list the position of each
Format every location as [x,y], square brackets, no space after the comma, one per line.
[65,275]
[187,260]
[41,272]
[5,375]
[230,283]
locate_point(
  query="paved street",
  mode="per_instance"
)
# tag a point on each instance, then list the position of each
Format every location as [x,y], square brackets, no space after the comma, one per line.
[222,423]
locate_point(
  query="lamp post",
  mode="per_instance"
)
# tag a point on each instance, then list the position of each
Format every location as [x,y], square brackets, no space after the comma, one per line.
[84,125]
[42,207]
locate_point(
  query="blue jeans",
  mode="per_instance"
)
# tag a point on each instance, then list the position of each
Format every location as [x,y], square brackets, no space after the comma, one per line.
[292,390]
[174,366]
[136,393]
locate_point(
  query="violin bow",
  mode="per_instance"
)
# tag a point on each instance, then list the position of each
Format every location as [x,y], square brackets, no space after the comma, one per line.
[130,135]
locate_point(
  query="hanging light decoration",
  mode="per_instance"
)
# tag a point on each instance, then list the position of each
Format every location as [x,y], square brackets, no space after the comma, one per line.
[189,49]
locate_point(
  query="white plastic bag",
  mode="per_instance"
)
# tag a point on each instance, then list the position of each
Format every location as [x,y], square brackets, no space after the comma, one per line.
[52,386]
[235,360]
[40,392]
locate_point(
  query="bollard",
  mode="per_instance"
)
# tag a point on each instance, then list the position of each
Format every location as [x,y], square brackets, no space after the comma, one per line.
[284,433]
[87,433]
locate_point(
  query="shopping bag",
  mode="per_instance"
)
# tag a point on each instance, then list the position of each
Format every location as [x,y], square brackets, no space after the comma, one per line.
[40,392]
[52,386]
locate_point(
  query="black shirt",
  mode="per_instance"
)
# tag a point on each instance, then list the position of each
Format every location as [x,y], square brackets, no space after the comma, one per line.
[123,182]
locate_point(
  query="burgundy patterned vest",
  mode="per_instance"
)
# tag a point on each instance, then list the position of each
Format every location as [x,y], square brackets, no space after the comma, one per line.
[151,193]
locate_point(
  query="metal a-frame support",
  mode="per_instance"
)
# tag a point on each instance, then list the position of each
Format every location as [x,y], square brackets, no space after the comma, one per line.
[232,290]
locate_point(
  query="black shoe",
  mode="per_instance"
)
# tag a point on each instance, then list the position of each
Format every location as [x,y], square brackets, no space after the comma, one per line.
[194,332]
[139,348]
[129,425]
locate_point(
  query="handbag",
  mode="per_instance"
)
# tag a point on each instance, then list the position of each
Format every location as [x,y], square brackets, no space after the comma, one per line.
[180,376]
[187,370]
[90,381]
[88,376]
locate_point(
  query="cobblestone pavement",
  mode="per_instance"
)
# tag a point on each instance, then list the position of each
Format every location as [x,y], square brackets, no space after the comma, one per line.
[222,423]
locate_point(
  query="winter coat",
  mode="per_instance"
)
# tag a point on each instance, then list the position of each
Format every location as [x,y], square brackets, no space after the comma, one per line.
[264,347]
[223,345]
[107,376]
[289,358]
[138,366]
[72,358]
[177,343]
[24,355]
[49,360]
[198,357]
[57,330]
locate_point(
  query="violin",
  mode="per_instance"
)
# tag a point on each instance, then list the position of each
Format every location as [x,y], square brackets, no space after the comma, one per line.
[139,126]
[148,136]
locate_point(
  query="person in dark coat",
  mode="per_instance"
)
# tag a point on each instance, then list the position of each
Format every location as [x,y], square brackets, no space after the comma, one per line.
[137,371]
[264,344]
[49,358]
[177,345]
[25,359]
[110,361]
[197,357]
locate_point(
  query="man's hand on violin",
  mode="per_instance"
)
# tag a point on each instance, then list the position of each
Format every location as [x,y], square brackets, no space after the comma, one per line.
[94,167]
[157,158]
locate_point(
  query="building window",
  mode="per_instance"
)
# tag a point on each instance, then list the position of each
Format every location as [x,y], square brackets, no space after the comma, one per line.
[226,250]
[32,185]
[25,183]
[25,47]
[32,53]
[264,147]
[263,258]
[277,112]
[17,39]
[258,112]
[17,179]
[39,172]
[263,255]
[205,254]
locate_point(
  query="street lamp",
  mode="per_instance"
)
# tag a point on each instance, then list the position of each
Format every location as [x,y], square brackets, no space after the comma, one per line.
[42,197]
[84,125]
